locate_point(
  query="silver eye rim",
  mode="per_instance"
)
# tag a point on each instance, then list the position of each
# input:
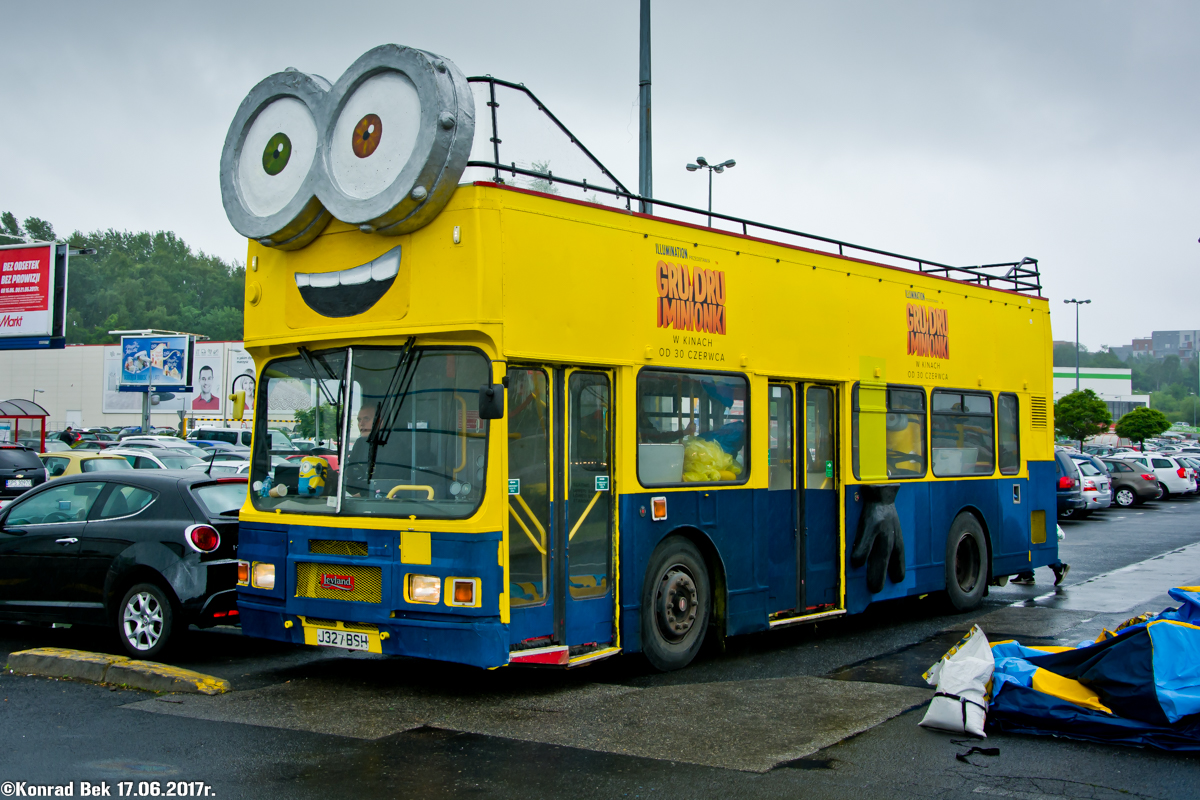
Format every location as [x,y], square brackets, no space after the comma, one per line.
[443,143]
[303,217]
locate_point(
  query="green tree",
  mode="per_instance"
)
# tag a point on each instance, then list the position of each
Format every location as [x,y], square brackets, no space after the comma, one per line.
[1142,424]
[38,230]
[541,184]
[306,423]
[1080,415]
[10,231]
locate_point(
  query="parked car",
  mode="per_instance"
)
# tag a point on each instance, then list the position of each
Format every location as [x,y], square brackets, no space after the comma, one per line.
[1070,485]
[76,462]
[1132,485]
[1096,493]
[145,553]
[163,443]
[53,446]
[279,439]
[222,447]
[223,468]
[1173,477]
[156,458]
[20,471]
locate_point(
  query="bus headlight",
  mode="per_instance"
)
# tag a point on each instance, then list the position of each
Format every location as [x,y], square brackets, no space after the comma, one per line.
[263,576]
[424,589]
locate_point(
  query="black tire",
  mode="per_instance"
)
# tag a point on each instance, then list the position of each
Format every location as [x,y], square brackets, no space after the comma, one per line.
[146,621]
[676,603]
[966,563]
[1166,493]
[1125,497]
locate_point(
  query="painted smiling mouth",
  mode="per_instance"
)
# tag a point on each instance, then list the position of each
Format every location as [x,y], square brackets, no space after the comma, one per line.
[349,292]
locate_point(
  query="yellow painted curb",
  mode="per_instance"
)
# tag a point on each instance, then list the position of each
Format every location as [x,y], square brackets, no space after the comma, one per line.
[56,662]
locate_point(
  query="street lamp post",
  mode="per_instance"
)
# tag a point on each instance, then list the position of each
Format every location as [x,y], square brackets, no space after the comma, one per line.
[701,163]
[36,392]
[1077,303]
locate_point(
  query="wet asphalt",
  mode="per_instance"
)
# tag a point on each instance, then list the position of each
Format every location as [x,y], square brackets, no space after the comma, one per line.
[56,731]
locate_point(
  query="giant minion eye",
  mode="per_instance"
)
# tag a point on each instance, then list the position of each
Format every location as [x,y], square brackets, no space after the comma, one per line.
[268,180]
[382,149]
[399,139]
[276,156]
[375,133]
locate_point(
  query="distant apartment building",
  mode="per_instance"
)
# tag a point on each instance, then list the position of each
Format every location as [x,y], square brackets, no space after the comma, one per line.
[1174,343]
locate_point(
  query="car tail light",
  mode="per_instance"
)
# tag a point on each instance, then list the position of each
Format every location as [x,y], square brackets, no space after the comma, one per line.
[1066,482]
[1089,484]
[1181,472]
[1147,477]
[203,538]
[243,573]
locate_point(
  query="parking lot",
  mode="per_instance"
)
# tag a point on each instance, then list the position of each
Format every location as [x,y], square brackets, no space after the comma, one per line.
[824,711]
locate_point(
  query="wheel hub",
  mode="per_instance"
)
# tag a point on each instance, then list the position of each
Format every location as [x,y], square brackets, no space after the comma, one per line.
[143,621]
[676,606]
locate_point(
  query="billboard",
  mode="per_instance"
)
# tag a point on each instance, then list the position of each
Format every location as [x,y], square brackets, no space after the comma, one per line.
[163,362]
[32,294]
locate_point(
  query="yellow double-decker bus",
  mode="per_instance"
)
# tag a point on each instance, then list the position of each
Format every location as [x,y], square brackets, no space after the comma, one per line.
[546,430]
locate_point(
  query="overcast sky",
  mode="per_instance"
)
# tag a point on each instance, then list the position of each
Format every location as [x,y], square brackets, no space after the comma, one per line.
[962,132]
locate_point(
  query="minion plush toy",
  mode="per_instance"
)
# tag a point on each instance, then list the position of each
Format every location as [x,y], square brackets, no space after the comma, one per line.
[313,474]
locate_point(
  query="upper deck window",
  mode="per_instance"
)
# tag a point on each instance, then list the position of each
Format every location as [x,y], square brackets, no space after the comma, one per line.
[962,438]
[412,444]
[691,428]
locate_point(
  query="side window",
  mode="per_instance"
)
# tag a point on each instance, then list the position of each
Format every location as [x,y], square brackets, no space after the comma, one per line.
[1008,434]
[779,444]
[145,463]
[132,459]
[905,433]
[246,435]
[962,434]
[55,466]
[64,503]
[1161,463]
[125,500]
[691,428]
[887,432]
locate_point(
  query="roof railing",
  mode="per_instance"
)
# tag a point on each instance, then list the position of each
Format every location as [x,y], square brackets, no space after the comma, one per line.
[1021,276]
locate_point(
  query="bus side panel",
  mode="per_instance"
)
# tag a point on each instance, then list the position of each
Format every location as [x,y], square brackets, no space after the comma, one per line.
[1044,493]
[726,520]
[909,498]
[1010,545]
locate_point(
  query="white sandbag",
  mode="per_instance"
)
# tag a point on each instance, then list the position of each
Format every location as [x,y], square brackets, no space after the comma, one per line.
[961,678]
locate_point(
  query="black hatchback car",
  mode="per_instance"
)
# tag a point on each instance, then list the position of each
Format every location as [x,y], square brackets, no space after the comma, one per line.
[20,471]
[1070,485]
[144,552]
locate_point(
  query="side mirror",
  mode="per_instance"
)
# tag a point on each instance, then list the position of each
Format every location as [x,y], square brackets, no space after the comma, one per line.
[491,401]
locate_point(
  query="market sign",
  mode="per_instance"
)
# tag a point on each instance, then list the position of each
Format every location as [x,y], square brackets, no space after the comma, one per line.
[163,362]
[32,294]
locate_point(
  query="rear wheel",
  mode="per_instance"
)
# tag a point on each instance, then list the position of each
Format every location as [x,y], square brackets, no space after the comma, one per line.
[1166,493]
[676,603]
[146,621]
[966,563]
[1125,498]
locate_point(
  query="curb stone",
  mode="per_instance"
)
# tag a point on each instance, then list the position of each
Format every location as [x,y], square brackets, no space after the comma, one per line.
[56,662]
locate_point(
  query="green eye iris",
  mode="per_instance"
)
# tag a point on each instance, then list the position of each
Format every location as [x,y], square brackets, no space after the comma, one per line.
[276,154]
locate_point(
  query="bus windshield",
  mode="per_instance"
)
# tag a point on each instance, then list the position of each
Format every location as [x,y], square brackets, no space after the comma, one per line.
[396,430]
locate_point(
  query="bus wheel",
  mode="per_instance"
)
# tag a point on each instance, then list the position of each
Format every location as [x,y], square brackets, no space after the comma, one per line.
[675,604]
[966,563]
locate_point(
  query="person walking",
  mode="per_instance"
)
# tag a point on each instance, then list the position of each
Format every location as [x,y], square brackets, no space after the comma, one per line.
[68,436]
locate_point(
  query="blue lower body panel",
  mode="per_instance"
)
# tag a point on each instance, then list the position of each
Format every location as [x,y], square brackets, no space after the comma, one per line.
[466,635]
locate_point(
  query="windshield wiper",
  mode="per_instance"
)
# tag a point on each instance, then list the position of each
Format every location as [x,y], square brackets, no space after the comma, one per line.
[393,400]
[312,368]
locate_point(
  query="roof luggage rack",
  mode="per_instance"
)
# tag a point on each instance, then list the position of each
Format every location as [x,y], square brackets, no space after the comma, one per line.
[1020,276]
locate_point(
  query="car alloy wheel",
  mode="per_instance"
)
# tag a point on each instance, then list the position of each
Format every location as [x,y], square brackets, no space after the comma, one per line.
[1125,498]
[143,621]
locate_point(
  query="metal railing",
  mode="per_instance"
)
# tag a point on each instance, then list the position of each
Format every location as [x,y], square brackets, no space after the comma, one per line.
[1020,276]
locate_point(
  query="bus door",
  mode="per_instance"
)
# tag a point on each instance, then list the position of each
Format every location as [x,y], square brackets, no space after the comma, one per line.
[819,541]
[560,506]
[784,554]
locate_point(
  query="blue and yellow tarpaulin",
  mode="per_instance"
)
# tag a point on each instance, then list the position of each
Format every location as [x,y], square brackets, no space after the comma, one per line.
[1138,685]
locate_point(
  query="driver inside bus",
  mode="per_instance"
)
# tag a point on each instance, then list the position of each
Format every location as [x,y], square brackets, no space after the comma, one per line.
[360,471]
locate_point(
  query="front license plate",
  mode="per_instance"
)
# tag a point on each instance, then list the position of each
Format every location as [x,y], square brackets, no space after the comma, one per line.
[344,639]
[18,483]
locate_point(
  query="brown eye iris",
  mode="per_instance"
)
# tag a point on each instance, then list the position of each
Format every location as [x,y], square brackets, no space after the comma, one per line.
[367,134]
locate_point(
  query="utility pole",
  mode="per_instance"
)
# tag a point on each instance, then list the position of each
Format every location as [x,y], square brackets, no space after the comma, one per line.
[1077,303]
[645,159]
